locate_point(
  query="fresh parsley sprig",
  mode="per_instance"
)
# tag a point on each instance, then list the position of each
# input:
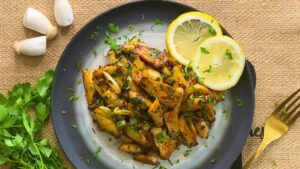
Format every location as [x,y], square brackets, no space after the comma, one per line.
[23,113]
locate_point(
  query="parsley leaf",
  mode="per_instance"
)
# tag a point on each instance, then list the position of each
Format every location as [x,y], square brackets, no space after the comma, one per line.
[157,22]
[204,50]
[98,150]
[228,54]
[128,83]
[212,31]
[161,136]
[239,102]
[79,66]
[208,70]
[187,152]
[131,27]
[114,28]
[188,117]
[112,42]
[134,124]
[95,52]
[20,145]
[212,161]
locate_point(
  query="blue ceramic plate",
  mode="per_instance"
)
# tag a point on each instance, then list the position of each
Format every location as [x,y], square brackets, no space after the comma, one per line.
[227,135]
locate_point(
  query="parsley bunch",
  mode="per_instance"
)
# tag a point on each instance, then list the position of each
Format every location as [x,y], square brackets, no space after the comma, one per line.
[23,113]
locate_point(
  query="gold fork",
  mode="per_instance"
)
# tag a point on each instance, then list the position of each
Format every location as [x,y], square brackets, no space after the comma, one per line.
[278,123]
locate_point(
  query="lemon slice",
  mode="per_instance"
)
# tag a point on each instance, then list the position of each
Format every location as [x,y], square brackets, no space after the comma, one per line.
[187,32]
[219,62]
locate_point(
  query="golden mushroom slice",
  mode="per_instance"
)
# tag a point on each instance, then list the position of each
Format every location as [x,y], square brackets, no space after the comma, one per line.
[202,129]
[137,70]
[187,132]
[163,92]
[137,136]
[88,85]
[171,117]
[146,159]
[131,148]
[163,142]
[156,112]
[105,122]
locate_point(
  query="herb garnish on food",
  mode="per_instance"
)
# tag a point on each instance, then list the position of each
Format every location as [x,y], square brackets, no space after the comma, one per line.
[161,136]
[204,50]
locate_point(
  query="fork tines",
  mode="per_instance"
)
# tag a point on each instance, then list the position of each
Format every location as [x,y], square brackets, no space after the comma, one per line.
[288,110]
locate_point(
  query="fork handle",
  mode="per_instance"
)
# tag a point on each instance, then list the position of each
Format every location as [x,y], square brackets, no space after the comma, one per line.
[260,149]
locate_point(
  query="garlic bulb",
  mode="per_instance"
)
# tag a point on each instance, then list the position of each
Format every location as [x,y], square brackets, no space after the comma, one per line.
[35,20]
[63,12]
[32,47]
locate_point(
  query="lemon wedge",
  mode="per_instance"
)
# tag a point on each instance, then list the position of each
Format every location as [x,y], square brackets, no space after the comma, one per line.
[187,32]
[219,62]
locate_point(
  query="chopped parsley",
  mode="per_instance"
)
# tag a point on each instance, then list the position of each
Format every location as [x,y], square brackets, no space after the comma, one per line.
[73,98]
[79,81]
[114,28]
[209,99]
[143,17]
[88,161]
[212,161]
[177,161]
[79,66]
[225,111]
[221,95]
[134,124]
[228,54]
[162,167]
[212,31]
[161,136]
[204,50]
[208,70]
[154,53]
[200,79]
[63,112]
[188,117]
[190,101]
[239,102]
[128,83]
[157,22]
[95,52]
[187,152]
[74,126]
[135,38]
[205,144]
[71,89]
[96,34]
[170,161]
[97,101]
[188,71]
[131,27]
[98,150]
[112,42]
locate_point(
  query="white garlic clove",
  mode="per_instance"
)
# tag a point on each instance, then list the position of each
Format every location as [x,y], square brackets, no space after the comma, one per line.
[63,12]
[32,47]
[35,20]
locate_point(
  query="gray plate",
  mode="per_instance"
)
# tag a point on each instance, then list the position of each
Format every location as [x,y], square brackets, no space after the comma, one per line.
[228,133]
